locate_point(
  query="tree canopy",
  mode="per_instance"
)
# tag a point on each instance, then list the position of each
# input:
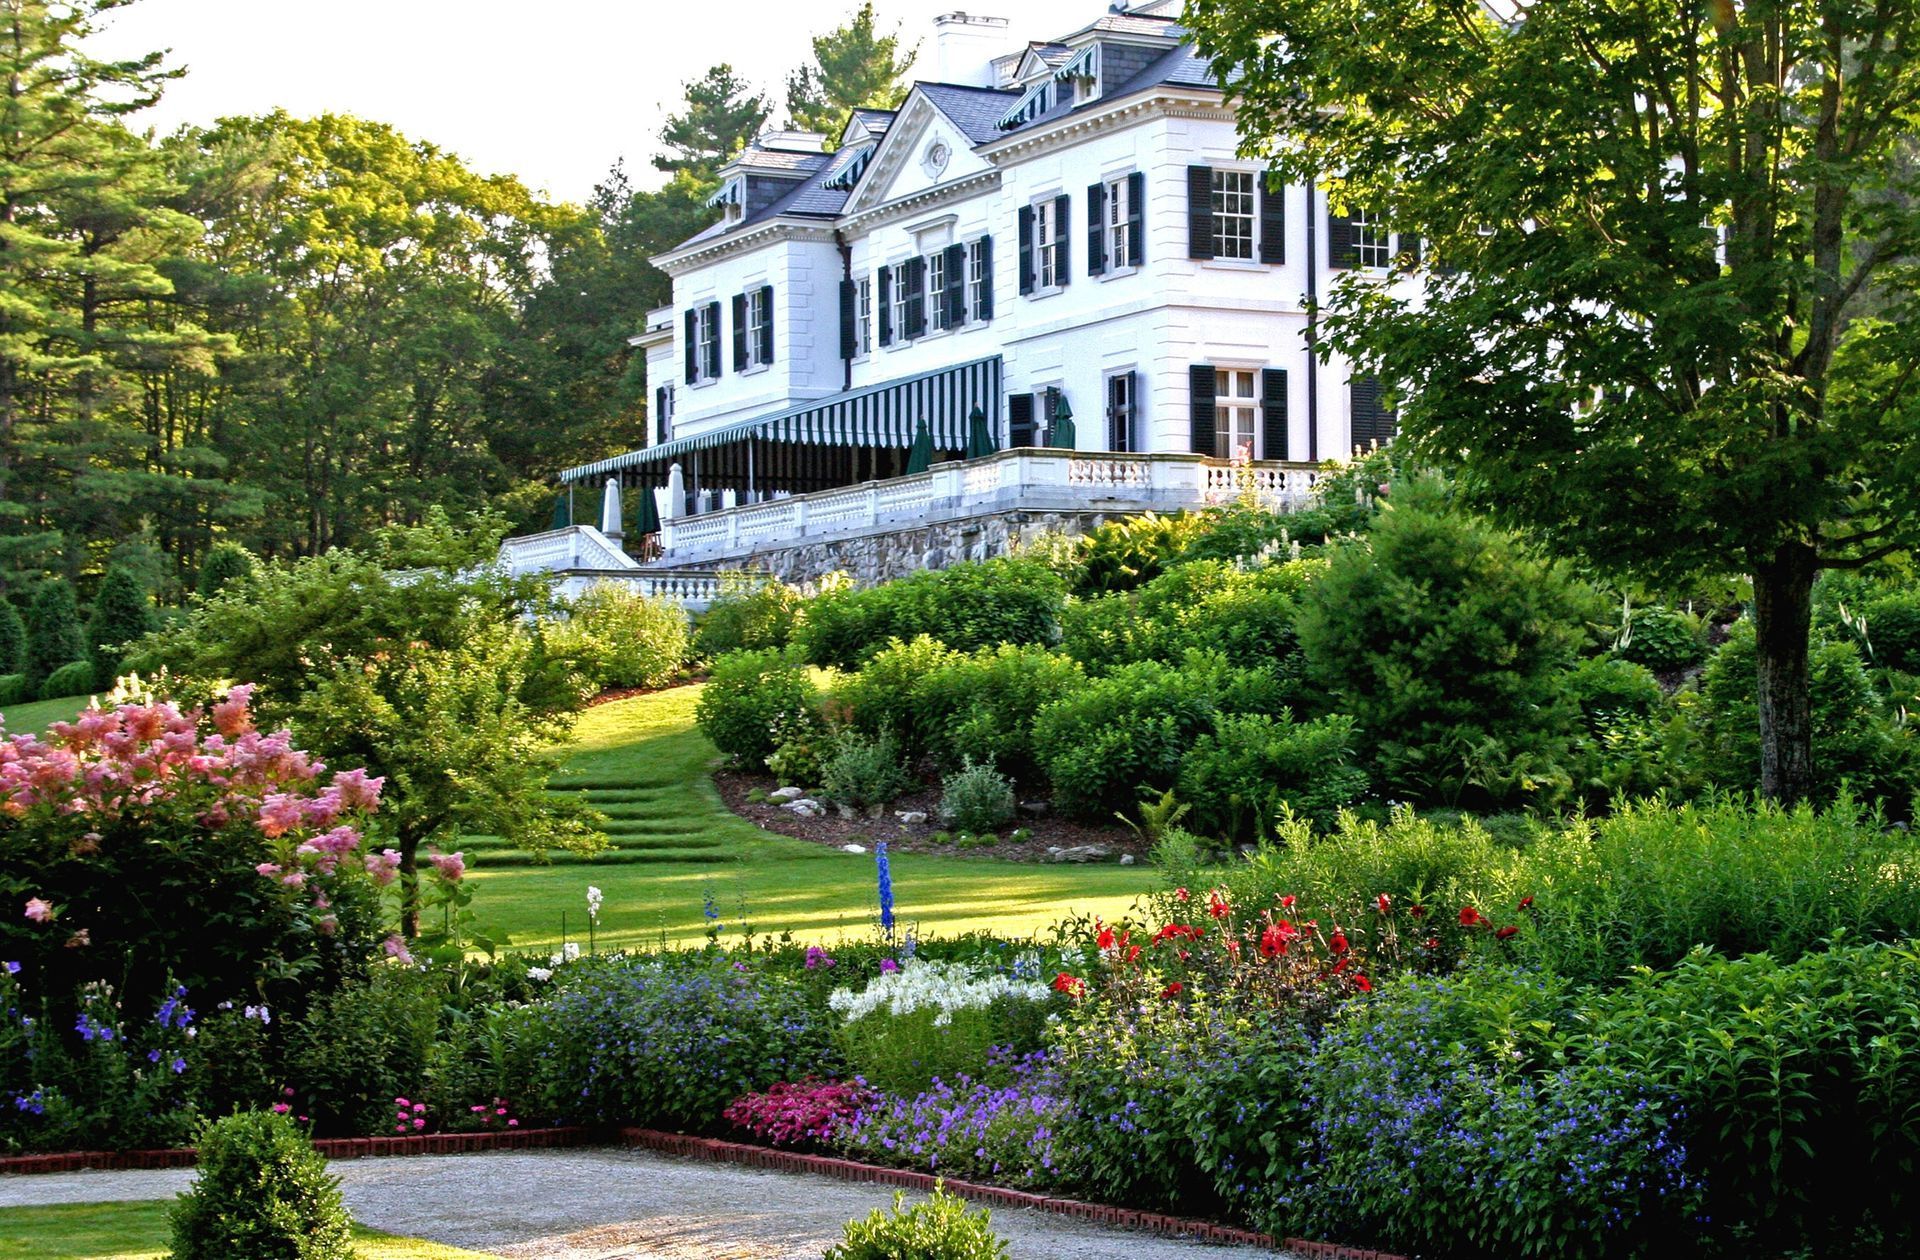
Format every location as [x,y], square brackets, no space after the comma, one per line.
[1671,324]
[853,67]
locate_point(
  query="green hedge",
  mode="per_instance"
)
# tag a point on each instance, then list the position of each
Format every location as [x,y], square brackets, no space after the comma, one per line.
[967,607]
[75,678]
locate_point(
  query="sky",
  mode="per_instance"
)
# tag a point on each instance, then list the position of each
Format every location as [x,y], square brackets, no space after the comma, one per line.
[553,91]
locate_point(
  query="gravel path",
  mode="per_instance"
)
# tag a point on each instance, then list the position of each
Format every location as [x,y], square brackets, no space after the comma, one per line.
[619,1205]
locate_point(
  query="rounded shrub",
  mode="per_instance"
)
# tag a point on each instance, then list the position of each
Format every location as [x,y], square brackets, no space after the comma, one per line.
[977,798]
[1240,776]
[1662,639]
[14,690]
[263,1192]
[75,678]
[1120,738]
[940,1229]
[982,706]
[864,771]
[623,639]
[1607,686]
[751,700]
[13,639]
[54,635]
[226,564]
[748,618]
[122,612]
[967,607]
[887,693]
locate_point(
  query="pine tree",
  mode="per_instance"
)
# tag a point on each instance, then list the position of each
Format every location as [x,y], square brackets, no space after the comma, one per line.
[13,638]
[53,631]
[122,612]
[226,564]
[720,118]
[853,68]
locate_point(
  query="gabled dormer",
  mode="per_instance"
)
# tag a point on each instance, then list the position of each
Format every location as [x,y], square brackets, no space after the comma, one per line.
[769,169]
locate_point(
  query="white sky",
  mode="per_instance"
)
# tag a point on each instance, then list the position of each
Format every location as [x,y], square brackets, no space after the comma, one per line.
[550,91]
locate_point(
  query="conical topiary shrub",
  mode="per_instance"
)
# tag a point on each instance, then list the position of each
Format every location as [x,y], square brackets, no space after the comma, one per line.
[13,639]
[122,612]
[263,1193]
[227,564]
[53,632]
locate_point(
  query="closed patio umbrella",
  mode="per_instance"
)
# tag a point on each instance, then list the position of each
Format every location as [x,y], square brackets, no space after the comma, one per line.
[646,514]
[562,515]
[920,456]
[979,437]
[1061,433]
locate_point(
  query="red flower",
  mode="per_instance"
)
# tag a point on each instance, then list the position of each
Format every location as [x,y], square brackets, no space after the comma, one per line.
[1468,916]
[1505,933]
[1363,984]
[1173,990]
[1217,904]
[1384,902]
[1133,953]
[1526,902]
[1233,947]
[1180,931]
[1337,942]
[1432,942]
[1105,938]
[1273,941]
[1418,911]
[1072,986]
[1181,894]
[1286,902]
[1341,965]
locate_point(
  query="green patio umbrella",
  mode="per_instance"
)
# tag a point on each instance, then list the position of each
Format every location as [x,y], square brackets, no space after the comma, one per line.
[1062,434]
[646,516]
[979,436]
[920,456]
[562,511]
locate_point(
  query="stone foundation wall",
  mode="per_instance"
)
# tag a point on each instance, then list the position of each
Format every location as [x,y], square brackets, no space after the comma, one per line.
[872,558]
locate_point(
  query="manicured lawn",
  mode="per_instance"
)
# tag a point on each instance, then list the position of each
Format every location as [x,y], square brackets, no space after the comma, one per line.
[138,1231]
[647,753]
[33,719]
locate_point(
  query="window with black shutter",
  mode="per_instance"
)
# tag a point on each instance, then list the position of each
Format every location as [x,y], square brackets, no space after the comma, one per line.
[1136,218]
[849,297]
[739,332]
[1273,221]
[1062,241]
[1340,244]
[1373,422]
[1020,420]
[692,347]
[1096,229]
[660,416]
[954,299]
[885,305]
[913,289]
[980,277]
[1122,388]
[710,367]
[1200,402]
[1273,413]
[1200,213]
[765,298]
[1025,220]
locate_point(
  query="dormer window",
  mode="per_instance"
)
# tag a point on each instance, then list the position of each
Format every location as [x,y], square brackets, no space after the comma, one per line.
[731,199]
[1083,71]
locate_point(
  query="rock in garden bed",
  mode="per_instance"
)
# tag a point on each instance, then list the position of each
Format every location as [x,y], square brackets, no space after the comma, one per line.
[910,824]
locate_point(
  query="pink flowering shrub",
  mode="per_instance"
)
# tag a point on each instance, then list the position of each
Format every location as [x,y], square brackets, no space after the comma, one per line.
[803,1113]
[144,840]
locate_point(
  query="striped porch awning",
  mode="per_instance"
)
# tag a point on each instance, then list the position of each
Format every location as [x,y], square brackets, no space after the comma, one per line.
[874,416]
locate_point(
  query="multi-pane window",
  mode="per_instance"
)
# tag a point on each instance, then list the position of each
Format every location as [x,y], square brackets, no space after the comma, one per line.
[902,304]
[1235,408]
[979,280]
[1121,405]
[1233,214]
[863,318]
[1119,221]
[1048,236]
[706,339]
[1372,243]
[759,313]
[937,288]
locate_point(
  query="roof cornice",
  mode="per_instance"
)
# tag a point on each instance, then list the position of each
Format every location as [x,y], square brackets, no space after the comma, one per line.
[686,258]
[1069,129]
[917,203]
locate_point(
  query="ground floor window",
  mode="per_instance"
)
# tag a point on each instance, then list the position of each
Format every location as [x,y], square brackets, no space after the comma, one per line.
[1235,408]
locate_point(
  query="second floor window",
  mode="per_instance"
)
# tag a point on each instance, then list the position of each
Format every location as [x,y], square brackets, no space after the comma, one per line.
[903,286]
[760,327]
[980,278]
[703,323]
[1372,243]
[1119,224]
[863,319]
[1233,214]
[937,288]
[1048,236]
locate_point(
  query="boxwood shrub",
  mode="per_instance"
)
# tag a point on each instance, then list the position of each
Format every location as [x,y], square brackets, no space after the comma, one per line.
[751,700]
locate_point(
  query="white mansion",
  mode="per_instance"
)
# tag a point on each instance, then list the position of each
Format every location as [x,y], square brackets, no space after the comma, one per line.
[1048,265]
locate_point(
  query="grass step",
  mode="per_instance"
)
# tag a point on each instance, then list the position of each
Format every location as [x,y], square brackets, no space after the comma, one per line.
[603,785]
[619,857]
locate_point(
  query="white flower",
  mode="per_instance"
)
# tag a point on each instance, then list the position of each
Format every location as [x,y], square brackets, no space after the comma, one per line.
[571,949]
[594,898]
[539,973]
[942,987]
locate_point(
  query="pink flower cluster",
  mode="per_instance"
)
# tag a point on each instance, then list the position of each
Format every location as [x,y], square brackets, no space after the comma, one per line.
[799,1113]
[411,1117]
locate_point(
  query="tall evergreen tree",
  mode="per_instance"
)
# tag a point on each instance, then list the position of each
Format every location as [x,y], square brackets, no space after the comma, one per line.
[722,114]
[53,632]
[122,612]
[853,67]
[13,638]
[227,564]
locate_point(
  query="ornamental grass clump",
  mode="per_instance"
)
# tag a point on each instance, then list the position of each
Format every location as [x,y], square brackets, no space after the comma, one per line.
[940,1229]
[930,1020]
[263,1192]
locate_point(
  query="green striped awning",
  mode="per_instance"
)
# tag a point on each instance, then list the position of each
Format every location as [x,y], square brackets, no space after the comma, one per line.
[882,415]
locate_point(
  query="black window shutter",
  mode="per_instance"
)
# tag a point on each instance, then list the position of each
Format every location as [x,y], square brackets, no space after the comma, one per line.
[913,284]
[1373,420]
[1410,245]
[1200,215]
[956,294]
[1340,250]
[1137,218]
[693,346]
[1273,222]
[1096,229]
[1025,218]
[1062,240]
[713,339]
[766,325]
[660,414]
[1020,420]
[1273,413]
[1200,408]
[739,332]
[849,304]
[986,269]
[1122,391]
[884,301]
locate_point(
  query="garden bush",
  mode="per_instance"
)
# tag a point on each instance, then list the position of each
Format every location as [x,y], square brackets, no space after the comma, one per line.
[969,606]
[1608,687]
[983,706]
[1662,639]
[976,798]
[1003,1123]
[122,612]
[864,771]
[665,1041]
[54,635]
[748,616]
[1122,554]
[932,1020]
[13,639]
[806,1113]
[1248,614]
[75,678]
[623,639]
[753,698]
[360,1047]
[262,1192]
[1447,640]
[886,693]
[942,1228]
[1240,775]
[226,564]
[14,690]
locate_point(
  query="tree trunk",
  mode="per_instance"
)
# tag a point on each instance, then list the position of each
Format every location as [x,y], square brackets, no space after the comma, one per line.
[1783,618]
[409,884]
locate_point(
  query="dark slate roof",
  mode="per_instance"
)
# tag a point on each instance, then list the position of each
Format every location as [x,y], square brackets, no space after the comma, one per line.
[975,110]
[1180,67]
[768,160]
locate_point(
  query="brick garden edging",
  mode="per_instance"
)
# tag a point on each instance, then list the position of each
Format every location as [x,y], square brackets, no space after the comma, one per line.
[331,1148]
[716,1151]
